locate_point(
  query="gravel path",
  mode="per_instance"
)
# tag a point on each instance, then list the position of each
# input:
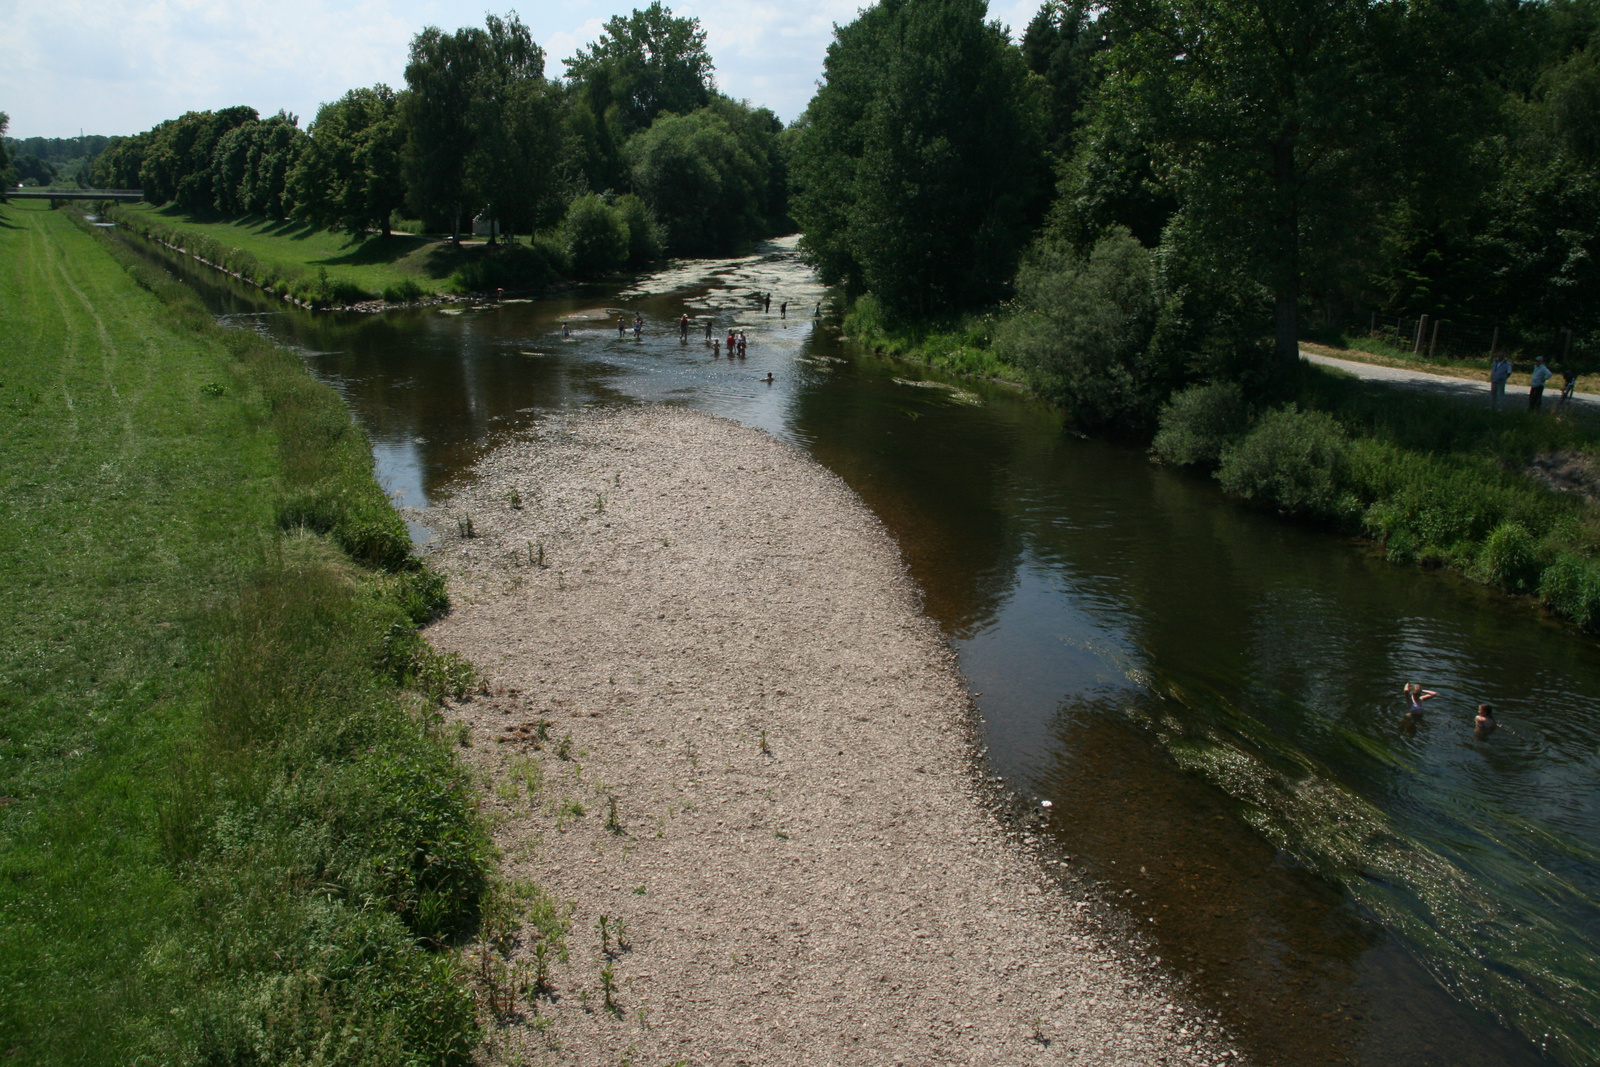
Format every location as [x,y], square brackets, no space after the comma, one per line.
[803,858]
[1467,389]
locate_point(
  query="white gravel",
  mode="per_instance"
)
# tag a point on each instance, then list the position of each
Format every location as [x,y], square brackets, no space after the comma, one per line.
[806,867]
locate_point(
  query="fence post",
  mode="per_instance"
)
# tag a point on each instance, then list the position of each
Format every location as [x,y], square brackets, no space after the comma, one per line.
[1372,327]
[1422,331]
[1494,342]
[1435,342]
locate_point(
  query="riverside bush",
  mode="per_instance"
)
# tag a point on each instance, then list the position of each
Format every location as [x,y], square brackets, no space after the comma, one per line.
[595,236]
[1508,559]
[1197,424]
[1571,586]
[1295,461]
[1083,328]
[533,264]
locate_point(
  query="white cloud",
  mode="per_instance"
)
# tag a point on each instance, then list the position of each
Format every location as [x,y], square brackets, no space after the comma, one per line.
[122,67]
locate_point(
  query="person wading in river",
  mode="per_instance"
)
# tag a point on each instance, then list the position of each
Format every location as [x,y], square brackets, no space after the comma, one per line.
[1484,724]
[1415,694]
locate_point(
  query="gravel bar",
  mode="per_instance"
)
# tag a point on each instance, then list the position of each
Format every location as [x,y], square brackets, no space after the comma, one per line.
[722,638]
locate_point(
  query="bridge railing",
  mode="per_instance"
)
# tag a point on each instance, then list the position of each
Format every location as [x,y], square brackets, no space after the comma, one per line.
[36,192]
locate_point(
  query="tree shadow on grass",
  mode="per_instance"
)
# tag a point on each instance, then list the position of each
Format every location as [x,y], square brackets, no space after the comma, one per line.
[377,248]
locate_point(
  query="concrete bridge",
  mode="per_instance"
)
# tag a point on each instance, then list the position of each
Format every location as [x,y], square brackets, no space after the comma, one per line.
[25,192]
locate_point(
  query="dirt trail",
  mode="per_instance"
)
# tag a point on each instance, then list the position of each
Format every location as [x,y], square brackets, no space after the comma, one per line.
[801,858]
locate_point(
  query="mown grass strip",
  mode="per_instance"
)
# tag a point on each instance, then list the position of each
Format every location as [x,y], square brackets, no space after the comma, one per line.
[231,832]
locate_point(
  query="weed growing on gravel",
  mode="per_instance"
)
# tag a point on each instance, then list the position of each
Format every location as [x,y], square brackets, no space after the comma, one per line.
[563,749]
[465,528]
[766,749]
[541,968]
[569,809]
[527,773]
[608,987]
[612,823]
[604,926]
[599,504]
[514,498]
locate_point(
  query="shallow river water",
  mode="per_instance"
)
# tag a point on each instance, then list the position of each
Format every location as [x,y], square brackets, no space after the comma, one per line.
[1210,697]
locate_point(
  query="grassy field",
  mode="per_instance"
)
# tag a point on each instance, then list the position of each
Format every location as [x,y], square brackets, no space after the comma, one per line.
[294,250]
[231,832]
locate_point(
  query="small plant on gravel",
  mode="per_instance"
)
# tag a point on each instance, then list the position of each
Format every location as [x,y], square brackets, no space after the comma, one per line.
[691,754]
[599,504]
[563,749]
[541,968]
[465,528]
[608,986]
[619,930]
[569,809]
[604,925]
[766,749]
[514,498]
[1038,1030]
[612,823]
[464,734]
[536,555]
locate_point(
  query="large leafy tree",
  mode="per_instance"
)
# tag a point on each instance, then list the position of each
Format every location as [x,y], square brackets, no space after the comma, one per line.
[479,123]
[251,163]
[708,174]
[176,163]
[1283,126]
[1060,46]
[920,163]
[348,175]
[645,64]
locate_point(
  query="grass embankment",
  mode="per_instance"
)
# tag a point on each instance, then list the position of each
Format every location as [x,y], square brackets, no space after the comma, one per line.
[231,832]
[959,346]
[326,268]
[1435,481]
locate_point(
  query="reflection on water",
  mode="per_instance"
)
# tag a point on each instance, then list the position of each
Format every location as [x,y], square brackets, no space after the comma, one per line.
[1210,697]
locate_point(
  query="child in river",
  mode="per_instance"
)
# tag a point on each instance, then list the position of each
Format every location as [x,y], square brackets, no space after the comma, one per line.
[1484,724]
[1415,695]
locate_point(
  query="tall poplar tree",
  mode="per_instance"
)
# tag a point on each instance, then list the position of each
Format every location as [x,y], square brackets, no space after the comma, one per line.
[920,163]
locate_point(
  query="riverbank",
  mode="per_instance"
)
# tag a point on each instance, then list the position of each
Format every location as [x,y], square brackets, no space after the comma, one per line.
[220,762]
[719,722]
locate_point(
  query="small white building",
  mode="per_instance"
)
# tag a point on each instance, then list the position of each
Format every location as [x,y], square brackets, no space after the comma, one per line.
[484,226]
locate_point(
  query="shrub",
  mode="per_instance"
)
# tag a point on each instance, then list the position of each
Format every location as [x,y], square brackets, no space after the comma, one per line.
[595,235]
[534,265]
[1295,461]
[404,291]
[1083,330]
[1571,586]
[1508,559]
[647,238]
[1198,423]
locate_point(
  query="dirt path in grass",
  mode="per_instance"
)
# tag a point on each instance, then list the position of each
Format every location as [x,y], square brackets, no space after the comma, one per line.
[1469,389]
[723,639]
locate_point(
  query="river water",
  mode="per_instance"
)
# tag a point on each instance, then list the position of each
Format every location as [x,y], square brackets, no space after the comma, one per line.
[1210,697]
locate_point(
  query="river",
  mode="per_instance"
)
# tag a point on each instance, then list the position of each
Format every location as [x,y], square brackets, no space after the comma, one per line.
[1208,696]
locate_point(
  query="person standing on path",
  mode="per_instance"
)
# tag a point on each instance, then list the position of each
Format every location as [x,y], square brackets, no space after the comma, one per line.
[1569,382]
[783,310]
[1541,374]
[766,305]
[1499,371]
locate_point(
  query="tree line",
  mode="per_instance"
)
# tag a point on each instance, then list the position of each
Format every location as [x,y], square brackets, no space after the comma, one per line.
[1162,191]
[633,153]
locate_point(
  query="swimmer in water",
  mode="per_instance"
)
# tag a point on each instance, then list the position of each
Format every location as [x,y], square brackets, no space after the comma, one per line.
[683,325]
[1415,694]
[767,379]
[731,342]
[1484,724]
[622,327]
[708,327]
[566,331]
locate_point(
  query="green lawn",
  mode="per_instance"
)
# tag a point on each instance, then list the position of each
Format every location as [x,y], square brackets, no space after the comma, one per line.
[212,787]
[372,263]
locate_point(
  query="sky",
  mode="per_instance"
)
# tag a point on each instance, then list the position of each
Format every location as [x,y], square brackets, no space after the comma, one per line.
[117,68]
